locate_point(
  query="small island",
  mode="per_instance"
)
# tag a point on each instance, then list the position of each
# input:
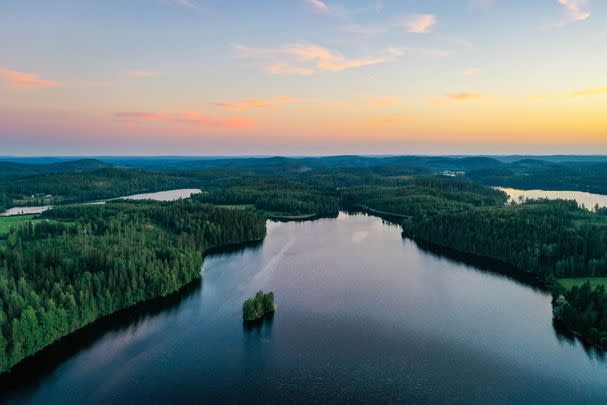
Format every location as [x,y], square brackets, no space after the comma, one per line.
[255,308]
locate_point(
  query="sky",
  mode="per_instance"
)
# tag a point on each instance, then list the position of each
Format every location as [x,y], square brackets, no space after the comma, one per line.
[302,77]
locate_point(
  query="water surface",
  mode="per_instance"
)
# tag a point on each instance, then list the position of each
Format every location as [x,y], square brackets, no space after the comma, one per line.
[364,316]
[169,195]
[588,200]
[25,210]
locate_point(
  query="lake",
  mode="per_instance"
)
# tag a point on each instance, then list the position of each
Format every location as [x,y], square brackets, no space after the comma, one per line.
[25,210]
[364,316]
[589,200]
[170,195]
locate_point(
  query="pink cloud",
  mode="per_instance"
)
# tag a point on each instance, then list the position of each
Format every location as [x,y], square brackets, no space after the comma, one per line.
[287,99]
[191,119]
[419,23]
[142,74]
[302,59]
[249,103]
[26,80]
[577,10]
[318,5]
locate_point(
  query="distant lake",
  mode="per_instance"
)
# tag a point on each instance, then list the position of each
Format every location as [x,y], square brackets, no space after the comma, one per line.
[364,316]
[26,210]
[589,200]
[170,195]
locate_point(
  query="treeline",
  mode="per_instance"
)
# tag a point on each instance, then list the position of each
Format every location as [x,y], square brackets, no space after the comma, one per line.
[275,195]
[584,310]
[93,185]
[547,238]
[423,196]
[5,202]
[535,174]
[90,261]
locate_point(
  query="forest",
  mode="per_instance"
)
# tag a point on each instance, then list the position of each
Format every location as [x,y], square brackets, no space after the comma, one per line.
[275,196]
[81,263]
[87,186]
[77,263]
[255,308]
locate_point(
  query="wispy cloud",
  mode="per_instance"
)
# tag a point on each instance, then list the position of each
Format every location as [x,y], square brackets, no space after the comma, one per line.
[573,10]
[577,10]
[455,97]
[182,3]
[142,74]
[189,119]
[481,4]
[250,103]
[364,30]
[471,72]
[419,23]
[462,96]
[302,59]
[287,99]
[26,80]
[381,102]
[386,122]
[318,6]
[587,92]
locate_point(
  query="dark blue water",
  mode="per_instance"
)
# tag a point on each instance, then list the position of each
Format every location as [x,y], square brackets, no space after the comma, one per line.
[364,316]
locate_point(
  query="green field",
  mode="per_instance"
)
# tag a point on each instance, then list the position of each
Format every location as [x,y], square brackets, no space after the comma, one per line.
[568,283]
[6,223]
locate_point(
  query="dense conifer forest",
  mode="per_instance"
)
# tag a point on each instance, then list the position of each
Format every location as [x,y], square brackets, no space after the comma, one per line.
[77,263]
[84,262]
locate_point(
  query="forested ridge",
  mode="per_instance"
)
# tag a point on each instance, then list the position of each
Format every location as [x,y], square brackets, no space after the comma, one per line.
[91,185]
[90,261]
[275,195]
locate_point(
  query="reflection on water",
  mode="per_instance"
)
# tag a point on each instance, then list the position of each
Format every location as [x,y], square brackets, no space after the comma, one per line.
[588,200]
[364,316]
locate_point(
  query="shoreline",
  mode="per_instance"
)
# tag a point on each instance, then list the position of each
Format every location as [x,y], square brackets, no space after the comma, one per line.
[120,313]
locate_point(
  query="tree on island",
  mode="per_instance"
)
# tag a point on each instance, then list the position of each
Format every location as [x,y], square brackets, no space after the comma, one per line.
[257,307]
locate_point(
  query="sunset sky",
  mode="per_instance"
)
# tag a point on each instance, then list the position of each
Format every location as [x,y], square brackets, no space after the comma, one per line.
[295,77]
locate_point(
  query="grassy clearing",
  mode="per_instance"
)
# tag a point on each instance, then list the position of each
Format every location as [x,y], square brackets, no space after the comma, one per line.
[6,223]
[568,283]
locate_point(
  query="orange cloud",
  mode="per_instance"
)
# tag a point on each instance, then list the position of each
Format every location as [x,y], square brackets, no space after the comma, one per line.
[194,119]
[248,103]
[26,80]
[462,96]
[381,102]
[287,99]
[259,103]
[302,59]
[587,92]
[387,121]
[454,97]
[142,74]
